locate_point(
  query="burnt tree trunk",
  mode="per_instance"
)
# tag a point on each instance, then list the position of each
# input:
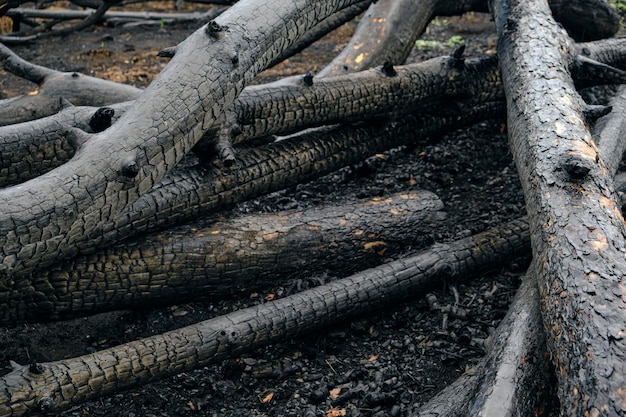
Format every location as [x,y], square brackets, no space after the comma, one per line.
[577,229]
[217,259]
[62,212]
[58,385]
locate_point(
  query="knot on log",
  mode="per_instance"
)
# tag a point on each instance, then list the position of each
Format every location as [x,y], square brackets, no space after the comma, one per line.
[388,69]
[167,52]
[307,79]
[234,58]
[214,29]
[576,167]
[130,168]
[101,119]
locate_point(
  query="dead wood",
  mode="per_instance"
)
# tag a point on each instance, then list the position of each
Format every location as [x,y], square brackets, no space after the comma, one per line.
[217,259]
[57,385]
[513,379]
[188,193]
[609,133]
[292,104]
[389,29]
[79,89]
[386,33]
[577,230]
[116,167]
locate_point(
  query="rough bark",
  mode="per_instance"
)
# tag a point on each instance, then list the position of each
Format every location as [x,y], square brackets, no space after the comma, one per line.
[387,33]
[214,259]
[79,89]
[57,385]
[389,29]
[577,230]
[513,378]
[69,206]
[191,192]
[280,108]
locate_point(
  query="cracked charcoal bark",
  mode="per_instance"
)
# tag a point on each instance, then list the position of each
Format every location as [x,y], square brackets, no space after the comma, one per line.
[75,207]
[577,230]
[226,257]
[68,382]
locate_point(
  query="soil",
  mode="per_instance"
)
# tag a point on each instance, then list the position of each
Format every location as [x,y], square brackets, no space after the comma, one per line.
[383,364]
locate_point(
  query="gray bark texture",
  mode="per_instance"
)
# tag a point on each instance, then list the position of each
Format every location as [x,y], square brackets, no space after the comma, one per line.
[577,229]
[217,259]
[54,386]
[110,172]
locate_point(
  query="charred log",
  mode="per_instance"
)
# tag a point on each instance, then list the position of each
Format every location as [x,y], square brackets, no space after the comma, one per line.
[577,230]
[125,161]
[57,385]
[217,259]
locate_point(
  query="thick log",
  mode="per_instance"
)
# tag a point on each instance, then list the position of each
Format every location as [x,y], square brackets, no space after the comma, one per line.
[576,227]
[513,379]
[215,259]
[57,385]
[68,207]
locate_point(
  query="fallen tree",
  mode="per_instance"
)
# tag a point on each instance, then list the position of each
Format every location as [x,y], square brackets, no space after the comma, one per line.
[577,230]
[50,387]
[178,196]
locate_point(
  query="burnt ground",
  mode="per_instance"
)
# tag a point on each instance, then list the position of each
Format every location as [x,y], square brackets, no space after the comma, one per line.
[383,364]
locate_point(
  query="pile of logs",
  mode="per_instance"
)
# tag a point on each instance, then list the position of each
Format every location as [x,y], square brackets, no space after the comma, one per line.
[97,185]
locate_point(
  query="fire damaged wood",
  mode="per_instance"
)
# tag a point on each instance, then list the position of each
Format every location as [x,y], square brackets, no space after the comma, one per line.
[78,89]
[389,29]
[33,148]
[289,105]
[188,193]
[513,379]
[387,33]
[147,142]
[577,230]
[54,386]
[610,133]
[217,259]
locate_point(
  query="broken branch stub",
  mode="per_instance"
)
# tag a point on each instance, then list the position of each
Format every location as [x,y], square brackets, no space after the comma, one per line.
[577,230]
[58,214]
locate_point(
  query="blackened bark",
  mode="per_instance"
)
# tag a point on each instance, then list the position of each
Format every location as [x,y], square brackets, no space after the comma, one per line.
[214,259]
[386,33]
[67,208]
[57,385]
[188,193]
[577,230]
